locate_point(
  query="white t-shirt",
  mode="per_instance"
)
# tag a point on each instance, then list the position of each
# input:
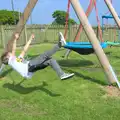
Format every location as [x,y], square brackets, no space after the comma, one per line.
[20,67]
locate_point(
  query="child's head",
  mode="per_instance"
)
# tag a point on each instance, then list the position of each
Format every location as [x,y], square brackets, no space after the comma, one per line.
[5,57]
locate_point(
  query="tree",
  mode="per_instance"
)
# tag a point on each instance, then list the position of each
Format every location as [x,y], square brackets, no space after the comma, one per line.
[60,18]
[9,17]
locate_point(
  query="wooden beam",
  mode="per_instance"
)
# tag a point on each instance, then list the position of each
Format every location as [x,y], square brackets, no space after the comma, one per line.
[20,26]
[89,10]
[113,12]
[94,41]
[80,29]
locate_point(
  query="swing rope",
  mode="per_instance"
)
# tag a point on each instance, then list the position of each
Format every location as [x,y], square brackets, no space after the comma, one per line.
[67,19]
[98,22]
[108,10]
[80,26]
[84,48]
[79,31]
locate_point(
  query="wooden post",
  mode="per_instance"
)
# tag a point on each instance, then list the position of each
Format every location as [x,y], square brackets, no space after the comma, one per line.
[25,32]
[94,41]
[113,12]
[2,36]
[80,29]
[89,10]
[31,4]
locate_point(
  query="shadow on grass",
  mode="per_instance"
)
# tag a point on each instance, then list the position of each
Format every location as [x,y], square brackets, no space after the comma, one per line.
[117,57]
[108,53]
[87,77]
[26,90]
[75,63]
[3,74]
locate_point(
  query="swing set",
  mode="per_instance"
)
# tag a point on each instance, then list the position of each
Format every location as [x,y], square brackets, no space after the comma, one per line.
[94,44]
[116,32]
[112,40]
[83,48]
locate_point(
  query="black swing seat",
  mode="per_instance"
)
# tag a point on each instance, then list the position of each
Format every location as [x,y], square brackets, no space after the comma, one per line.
[83,48]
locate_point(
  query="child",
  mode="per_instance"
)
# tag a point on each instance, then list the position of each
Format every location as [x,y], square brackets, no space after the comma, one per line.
[27,68]
[19,58]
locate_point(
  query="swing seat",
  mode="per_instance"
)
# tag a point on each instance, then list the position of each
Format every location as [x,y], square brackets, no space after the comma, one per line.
[113,43]
[83,48]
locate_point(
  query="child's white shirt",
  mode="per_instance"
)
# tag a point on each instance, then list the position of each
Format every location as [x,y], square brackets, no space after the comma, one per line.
[20,66]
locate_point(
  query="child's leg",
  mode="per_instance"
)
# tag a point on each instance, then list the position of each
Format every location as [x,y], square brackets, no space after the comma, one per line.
[45,58]
[47,55]
[53,63]
[57,47]
[52,51]
[38,65]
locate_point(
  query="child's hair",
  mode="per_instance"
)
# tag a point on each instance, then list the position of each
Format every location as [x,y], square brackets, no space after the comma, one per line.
[4,58]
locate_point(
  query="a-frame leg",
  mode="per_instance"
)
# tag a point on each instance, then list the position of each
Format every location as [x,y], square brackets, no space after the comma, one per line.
[94,41]
[113,12]
[20,26]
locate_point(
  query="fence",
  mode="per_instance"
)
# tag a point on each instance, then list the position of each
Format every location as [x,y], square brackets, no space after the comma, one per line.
[111,33]
[49,34]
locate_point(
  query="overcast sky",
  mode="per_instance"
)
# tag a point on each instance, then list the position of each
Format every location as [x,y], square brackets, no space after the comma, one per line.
[42,13]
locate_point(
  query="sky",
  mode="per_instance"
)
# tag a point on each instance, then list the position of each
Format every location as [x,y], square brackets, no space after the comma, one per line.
[42,13]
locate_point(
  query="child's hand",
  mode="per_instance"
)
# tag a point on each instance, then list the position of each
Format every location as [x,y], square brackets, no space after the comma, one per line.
[16,36]
[33,36]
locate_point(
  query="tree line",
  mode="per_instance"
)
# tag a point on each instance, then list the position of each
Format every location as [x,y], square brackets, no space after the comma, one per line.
[12,17]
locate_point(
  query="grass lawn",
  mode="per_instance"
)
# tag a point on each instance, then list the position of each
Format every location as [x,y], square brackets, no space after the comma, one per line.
[86,96]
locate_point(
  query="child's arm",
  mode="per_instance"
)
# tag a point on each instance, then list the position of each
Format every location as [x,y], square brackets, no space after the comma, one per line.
[22,54]
[14,44]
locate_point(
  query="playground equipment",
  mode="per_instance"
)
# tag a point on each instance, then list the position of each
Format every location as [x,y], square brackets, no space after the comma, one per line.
[88,30]
[114,36]
[113,12]
[106,29]
[20,26]
[83,48]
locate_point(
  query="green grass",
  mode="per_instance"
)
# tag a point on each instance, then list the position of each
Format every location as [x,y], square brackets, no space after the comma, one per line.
[46,97]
